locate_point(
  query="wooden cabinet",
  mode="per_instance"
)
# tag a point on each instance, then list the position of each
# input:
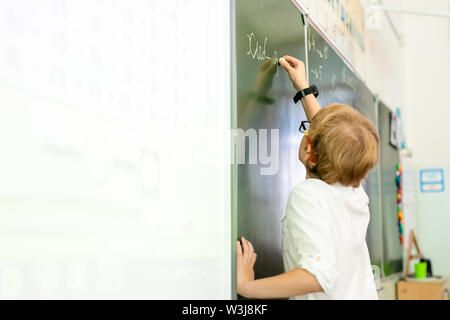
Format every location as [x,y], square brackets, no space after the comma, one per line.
[421,290]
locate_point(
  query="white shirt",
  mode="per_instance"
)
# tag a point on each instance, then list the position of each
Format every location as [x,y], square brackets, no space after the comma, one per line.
[324,232]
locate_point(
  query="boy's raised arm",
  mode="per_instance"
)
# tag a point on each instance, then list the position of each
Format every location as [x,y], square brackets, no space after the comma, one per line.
[297,74]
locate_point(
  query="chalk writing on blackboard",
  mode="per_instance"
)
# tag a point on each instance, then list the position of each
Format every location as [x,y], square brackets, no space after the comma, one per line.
[348,79]
[333,81]
[323,53]
[257,50]
[311,41]
[317,72]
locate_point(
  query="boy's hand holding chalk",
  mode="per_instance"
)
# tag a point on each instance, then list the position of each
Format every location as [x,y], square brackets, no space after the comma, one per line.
[296,71]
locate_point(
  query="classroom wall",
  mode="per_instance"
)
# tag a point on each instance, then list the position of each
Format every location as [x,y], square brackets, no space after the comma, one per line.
[398,71]
[384,54]
[427,70]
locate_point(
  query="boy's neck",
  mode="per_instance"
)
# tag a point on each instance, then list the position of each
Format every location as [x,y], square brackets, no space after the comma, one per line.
[310,175]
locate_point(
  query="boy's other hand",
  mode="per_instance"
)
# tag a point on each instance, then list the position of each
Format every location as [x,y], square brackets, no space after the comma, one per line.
[296,71]
[245,261]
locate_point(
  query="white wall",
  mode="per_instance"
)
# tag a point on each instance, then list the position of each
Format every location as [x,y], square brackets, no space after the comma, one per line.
[416,77]
[427,82]
[384,60]
[426,122]
[400,74]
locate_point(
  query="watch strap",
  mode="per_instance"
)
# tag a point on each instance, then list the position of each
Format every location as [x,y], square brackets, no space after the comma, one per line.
[304,92]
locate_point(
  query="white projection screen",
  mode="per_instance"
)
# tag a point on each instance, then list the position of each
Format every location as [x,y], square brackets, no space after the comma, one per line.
[114,171]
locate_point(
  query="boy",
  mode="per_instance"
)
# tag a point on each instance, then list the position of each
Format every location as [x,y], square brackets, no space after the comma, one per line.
[324,250]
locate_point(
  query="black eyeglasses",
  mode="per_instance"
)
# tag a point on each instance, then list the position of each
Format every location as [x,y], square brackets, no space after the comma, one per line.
[304,126]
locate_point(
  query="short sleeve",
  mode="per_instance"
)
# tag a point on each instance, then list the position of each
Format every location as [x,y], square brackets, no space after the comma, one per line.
[311,236]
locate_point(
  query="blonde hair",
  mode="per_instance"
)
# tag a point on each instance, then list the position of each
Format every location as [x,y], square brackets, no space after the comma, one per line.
[345,145]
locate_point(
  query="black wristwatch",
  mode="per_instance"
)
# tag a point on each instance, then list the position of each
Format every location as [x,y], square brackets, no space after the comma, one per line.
[312,89]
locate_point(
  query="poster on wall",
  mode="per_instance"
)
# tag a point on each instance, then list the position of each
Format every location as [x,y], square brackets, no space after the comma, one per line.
[432,180]
[395,138]
[343,24]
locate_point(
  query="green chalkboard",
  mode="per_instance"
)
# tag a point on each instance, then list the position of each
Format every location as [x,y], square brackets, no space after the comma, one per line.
[266,30]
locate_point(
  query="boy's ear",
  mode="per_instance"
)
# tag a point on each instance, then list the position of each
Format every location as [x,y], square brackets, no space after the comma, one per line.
[310,158]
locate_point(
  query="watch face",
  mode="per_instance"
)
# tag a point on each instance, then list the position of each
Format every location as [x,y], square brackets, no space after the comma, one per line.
[315,90]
